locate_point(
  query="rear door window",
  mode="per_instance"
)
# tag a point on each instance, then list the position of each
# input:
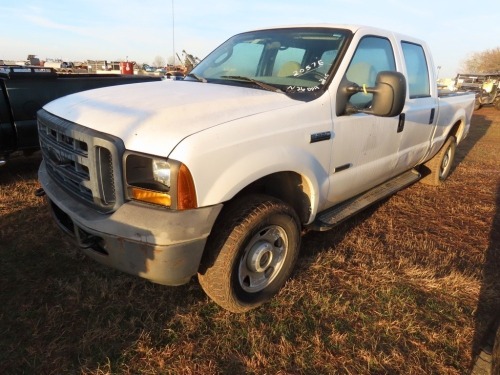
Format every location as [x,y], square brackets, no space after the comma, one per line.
[417,70]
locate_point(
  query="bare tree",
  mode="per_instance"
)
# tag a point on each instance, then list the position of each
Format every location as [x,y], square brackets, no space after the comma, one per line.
[483,62]
[159,62]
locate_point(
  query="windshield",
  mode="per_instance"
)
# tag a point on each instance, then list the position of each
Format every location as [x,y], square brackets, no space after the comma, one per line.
[294,60]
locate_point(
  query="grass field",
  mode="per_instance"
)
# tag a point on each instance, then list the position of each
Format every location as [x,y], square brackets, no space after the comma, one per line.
[410,286]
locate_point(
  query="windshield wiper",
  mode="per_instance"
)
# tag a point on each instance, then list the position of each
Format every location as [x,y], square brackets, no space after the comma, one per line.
[258,83]
[197,77]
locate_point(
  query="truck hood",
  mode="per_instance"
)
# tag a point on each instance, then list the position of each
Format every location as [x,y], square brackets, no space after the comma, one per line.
[154,117]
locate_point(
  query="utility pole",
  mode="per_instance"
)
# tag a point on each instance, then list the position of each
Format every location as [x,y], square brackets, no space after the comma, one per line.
[173,32]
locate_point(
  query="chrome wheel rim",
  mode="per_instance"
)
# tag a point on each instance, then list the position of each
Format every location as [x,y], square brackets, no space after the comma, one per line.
[263,259]
[445,165]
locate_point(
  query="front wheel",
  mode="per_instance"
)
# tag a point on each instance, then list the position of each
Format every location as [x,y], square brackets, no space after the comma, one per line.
[251,253]
[438,168]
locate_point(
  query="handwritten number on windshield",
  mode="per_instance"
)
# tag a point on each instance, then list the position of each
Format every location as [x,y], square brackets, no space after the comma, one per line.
[312,66]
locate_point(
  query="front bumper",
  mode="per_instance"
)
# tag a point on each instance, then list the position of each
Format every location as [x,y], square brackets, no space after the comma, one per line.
[160,245]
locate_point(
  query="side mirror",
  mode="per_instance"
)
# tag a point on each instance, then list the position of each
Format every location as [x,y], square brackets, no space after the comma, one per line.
[389,95]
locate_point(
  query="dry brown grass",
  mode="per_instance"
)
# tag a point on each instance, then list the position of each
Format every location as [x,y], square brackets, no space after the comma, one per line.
[409,286]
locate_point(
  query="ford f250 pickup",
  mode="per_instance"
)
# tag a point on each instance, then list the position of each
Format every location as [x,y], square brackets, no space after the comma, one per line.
[276,132]
[24,90]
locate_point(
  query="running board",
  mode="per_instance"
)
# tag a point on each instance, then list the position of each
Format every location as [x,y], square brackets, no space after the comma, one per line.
[333,216]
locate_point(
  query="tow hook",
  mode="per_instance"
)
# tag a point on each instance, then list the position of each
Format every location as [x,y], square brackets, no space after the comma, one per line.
[39,192]
[89,242]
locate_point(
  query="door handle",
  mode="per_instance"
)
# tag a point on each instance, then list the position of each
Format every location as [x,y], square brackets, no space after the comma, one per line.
[431,119]
[401,123]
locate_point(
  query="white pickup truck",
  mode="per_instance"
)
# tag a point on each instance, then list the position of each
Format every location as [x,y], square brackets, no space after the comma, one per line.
[275,132]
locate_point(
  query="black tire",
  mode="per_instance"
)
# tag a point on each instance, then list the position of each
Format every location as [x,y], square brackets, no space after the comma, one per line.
[495,354]
[251,252]
[497,104]
[477,105]
[437,169]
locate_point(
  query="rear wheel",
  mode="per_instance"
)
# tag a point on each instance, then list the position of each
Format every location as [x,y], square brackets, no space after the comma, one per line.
[477,105]
[438,168]
[251,253]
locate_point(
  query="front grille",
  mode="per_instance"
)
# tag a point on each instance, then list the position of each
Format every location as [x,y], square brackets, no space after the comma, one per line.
[82,161]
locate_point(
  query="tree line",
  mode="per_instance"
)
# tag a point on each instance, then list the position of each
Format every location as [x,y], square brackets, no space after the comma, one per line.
[483,62]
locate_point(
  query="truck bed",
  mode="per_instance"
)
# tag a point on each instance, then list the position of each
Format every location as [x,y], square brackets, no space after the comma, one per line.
[24,90]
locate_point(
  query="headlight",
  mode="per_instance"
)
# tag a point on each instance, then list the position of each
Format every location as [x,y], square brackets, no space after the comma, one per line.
[161,172]
[159,181]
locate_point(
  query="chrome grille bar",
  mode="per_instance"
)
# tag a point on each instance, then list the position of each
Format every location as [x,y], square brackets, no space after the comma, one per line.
[84,162]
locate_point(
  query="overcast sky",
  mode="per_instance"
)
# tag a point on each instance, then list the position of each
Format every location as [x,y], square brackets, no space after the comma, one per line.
[143,30]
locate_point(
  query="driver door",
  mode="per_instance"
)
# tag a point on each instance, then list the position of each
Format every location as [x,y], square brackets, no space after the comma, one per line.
[365,147]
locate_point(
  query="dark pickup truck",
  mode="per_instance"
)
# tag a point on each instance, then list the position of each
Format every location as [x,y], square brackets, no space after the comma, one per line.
[24,90]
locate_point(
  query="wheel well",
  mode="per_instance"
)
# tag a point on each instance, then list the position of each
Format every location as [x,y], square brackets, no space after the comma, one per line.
[288,187]
[457,131]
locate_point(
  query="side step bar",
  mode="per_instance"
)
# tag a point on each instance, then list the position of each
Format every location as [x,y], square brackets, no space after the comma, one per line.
[335,215]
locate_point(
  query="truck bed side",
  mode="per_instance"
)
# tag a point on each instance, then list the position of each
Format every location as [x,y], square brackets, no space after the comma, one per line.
[26,90]
[453,118]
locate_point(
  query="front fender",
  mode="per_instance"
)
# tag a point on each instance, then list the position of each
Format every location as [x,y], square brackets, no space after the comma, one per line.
[237,175]
[225,159]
